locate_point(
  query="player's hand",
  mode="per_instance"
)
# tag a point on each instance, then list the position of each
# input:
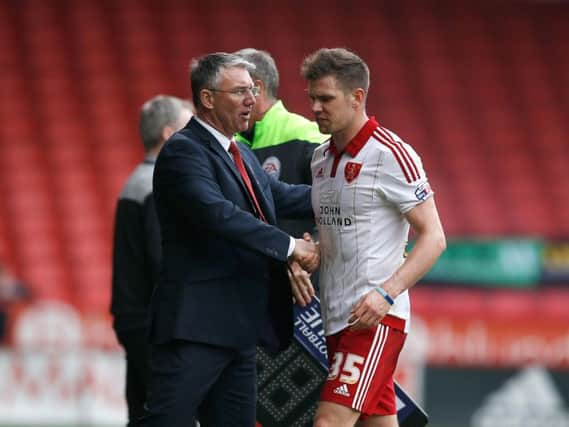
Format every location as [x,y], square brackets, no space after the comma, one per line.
[368,311]
[302,289]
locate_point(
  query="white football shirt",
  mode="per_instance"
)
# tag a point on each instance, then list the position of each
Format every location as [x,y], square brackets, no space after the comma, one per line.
[359,197]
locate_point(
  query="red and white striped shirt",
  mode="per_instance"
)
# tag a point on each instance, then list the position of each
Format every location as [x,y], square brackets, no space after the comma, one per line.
[359,197]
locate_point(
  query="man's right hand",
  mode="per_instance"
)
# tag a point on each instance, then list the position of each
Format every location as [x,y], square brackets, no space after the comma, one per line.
[306,253]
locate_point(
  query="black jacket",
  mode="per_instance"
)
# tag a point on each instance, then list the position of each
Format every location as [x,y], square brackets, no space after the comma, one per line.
[136,251]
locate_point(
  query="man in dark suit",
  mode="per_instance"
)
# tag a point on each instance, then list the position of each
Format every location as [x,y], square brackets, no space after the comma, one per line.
[223,285]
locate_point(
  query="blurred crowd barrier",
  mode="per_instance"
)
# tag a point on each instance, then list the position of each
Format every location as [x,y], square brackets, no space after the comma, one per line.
[487,353]
[61,368]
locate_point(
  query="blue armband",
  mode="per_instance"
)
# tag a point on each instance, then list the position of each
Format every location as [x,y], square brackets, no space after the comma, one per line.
[385,295]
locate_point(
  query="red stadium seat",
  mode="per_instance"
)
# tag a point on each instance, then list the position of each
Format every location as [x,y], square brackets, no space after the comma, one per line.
[479,89]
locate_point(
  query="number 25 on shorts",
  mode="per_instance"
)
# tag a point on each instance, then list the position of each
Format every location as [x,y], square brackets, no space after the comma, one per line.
[349,370]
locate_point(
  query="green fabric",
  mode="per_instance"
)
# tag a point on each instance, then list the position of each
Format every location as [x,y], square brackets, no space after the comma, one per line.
[279,126]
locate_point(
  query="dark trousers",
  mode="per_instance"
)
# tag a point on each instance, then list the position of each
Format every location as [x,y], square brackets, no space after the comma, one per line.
[135,344]
[190,380]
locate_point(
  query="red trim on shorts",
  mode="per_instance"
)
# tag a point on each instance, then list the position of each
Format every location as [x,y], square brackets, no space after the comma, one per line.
[394,322]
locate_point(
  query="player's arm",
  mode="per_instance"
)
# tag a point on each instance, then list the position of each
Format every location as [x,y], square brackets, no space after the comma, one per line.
[430,243]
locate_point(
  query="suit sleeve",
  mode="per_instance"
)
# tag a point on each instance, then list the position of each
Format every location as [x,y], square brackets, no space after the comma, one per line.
[291,201]
[185,180]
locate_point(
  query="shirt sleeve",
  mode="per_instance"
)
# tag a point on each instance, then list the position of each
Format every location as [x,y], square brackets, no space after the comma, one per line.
[291,246]
[403,180]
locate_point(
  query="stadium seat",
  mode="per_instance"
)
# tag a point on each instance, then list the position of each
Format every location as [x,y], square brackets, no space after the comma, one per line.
[480,90]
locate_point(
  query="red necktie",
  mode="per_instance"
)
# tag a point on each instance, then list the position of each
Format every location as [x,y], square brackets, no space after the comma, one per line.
[234,150]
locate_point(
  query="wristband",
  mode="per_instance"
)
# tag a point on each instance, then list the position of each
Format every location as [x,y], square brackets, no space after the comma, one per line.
[385,295]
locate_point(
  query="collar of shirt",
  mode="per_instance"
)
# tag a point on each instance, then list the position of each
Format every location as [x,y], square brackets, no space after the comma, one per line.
[221,138]
[358,141]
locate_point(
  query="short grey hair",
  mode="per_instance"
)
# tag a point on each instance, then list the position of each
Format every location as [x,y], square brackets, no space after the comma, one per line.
[265,69]
[205,71]
[156,114]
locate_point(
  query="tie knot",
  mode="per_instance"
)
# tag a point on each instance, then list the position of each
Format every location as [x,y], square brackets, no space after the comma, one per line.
[233,149]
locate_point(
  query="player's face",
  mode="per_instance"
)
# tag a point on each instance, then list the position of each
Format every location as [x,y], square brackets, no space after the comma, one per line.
[233,100]
[331,105]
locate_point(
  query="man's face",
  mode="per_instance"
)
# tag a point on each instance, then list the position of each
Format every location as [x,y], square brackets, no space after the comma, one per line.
[330,104]
[233,100]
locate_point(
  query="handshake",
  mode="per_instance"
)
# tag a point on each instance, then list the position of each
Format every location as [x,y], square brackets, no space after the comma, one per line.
[306,253]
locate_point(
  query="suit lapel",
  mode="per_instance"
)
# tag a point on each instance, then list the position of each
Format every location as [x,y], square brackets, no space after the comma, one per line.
[226,158]
[216,147]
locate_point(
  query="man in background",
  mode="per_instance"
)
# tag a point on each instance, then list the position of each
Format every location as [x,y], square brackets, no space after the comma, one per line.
[137,250]
[12,291]
[282,141]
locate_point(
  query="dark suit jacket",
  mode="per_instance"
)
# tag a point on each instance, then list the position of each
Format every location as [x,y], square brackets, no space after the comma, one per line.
[223,278]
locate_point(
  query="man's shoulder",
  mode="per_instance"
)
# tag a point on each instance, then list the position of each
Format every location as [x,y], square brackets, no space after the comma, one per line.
[185,139]
[284,126]
[299,127]
[139,184]
[396,157]
[183,135]
[389,142]
[193,132]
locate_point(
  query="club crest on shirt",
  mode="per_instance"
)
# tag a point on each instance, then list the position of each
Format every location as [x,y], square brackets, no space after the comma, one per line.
[320,173]
[272,165]
[423,191]
[351,171]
